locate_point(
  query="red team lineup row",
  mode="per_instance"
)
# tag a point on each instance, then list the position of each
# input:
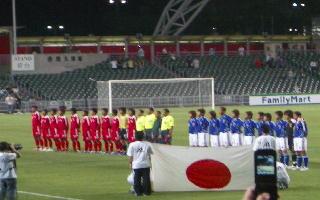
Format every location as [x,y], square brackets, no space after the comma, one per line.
[57,127]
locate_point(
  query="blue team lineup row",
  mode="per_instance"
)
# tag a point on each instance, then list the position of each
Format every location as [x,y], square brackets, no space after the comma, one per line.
[289,129]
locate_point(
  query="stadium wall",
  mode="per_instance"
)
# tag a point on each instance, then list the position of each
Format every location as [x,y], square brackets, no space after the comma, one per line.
[4,52]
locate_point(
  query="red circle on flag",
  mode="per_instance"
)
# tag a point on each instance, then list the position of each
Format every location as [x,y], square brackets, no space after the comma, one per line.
[209,174]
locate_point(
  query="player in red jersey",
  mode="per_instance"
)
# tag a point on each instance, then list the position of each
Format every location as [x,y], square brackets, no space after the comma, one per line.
[115,130]
[63,127]
[95,130]
[45,131]
[53,128]
[131,125]
[75,130]
[85,125]
[36,125]
[105,129]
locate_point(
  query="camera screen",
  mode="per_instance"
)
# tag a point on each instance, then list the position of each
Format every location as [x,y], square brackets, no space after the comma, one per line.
[265,165]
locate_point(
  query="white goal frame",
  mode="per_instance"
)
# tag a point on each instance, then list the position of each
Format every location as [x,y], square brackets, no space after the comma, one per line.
[110,82]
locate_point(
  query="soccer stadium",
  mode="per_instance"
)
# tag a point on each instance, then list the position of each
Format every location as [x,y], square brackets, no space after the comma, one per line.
[170,99]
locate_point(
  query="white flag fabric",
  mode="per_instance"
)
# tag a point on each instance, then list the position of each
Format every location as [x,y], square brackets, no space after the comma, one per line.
[176,168]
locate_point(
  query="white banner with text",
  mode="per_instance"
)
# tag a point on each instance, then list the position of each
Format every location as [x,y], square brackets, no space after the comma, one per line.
[284,99]
[22,62]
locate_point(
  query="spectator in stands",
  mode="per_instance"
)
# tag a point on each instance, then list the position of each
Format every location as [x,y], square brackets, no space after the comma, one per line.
[125,64]
[258,63]
[241,51]
[279,62]
[114,63]
[164,52]
[291,74]
[297,89]
[11,102]
[130,64]
[189,61]
[195,63]
[172,56]
[140,53]
[269,61]
[302,72]
[15,94]
[211,52]
[313,67]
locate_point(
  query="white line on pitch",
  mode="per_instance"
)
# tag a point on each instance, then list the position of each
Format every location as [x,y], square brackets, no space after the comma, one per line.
[45,195]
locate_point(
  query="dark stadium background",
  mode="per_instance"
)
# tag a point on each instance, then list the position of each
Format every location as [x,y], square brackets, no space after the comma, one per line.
[98,17]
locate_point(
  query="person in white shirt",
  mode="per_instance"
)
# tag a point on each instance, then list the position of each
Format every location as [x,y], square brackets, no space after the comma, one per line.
[241,51]
[11,102]
[265,141]
[140,53]
[139,154]
[114,64]
[8,176]
[196,63]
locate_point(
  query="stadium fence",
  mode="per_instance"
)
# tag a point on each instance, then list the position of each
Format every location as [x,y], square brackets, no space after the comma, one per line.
[157,102]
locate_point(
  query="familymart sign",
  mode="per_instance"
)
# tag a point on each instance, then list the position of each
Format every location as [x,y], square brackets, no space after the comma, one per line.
[284,99]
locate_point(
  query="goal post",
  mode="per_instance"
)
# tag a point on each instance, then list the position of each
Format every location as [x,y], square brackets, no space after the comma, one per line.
[141,93]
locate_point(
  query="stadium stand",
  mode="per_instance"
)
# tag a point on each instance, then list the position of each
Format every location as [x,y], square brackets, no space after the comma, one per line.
[301,61]
[234,75]
[237,75]
[4,81]
[77,84]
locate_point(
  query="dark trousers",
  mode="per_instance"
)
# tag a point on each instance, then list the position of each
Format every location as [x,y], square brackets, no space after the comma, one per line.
[139,133]
[8,189]
[142,184]
[165,139]
[149,135]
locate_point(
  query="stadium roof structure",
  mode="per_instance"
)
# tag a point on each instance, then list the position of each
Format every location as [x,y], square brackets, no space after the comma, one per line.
[62,40]
[178,15]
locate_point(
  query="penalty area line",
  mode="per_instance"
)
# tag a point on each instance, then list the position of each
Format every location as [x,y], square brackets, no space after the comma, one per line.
[46,195]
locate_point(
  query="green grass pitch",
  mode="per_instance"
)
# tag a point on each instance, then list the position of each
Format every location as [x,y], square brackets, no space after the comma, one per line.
[99,177]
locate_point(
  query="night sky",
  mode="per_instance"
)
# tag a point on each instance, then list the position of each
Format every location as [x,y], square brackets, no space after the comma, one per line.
[98,17]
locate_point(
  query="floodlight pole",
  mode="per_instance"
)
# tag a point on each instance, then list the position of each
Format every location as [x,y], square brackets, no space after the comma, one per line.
[14,26]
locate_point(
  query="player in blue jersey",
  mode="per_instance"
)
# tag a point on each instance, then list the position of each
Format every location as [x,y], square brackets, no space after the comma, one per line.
[236,129]
[281,138]
[203,134]
[214,129]
[267,120]
[300,141]
[224,127]
[193,129]
[249,127]
[259,123]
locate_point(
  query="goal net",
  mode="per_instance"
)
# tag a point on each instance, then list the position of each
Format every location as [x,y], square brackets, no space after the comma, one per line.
[178,92]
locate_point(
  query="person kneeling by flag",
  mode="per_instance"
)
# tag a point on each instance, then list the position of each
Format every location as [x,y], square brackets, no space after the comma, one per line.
[139,154]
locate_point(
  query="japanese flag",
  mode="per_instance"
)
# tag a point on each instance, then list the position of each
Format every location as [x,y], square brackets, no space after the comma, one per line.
[195,169]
